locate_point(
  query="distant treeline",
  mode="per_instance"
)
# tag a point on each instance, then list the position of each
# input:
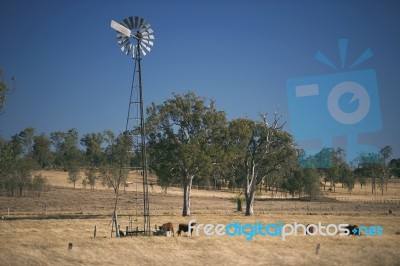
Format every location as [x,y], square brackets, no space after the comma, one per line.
[189,140]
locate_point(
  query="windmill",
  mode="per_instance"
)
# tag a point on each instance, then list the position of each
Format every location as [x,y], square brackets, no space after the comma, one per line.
[135,37]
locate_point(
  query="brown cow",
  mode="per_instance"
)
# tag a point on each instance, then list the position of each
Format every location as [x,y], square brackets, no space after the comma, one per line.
[167,227]
[310,229]
[354,230]
[185,228]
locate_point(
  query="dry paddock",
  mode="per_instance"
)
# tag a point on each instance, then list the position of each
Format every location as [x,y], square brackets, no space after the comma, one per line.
[45,242]
[37,231]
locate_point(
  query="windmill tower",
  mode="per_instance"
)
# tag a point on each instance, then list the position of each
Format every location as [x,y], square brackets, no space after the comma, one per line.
[135,37]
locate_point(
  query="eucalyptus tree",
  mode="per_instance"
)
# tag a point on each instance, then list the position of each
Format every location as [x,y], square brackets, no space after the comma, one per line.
[114,172]
[5,91]
[94,153]
[7,161]
[183,135]
[57,140]
[386,153]
[394,166]
[67,152]
[23,171]
[261,149]
[16,163]
[42,150]
[22,143]
[369,166]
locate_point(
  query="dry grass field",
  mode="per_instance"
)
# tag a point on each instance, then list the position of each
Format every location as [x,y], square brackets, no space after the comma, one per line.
[37,231]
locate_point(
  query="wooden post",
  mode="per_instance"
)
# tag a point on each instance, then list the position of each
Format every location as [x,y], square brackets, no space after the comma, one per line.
[239,204]
[94,233]
[112,226]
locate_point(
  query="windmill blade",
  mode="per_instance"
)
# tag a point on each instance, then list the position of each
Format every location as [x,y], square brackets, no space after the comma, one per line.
[148,37]
[148,43]
[145,47]
[122,40]
[151,37]
[118,27]
[127,38]
[141,23]
[146,25]
[129,23]
[146,31]
[137,19]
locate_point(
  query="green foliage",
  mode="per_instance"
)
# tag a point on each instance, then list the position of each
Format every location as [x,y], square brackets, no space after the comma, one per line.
[348,178]
[299,181]
[258,149]
[190,142]
[91,177]
[394,166]
[42,151]
[185,135]
[73,174]
[112,176]
[38,185]
[67,154]
[370,166]
[22,172]
[94,153]
[292,183]
[4,91]
[311,182]
[241,197]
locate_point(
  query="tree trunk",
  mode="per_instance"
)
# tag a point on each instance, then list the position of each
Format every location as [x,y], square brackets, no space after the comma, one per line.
[249,204]
[250,188]
[386,182]
[250,194]
[373,185]
[187,187]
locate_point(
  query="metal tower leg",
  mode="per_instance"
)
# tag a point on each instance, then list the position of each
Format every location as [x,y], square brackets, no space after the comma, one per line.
[135,124]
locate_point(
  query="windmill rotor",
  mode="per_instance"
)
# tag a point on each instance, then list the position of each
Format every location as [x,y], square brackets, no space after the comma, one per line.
[134,35]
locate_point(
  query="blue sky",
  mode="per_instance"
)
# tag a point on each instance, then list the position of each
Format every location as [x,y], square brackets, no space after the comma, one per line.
[70,72]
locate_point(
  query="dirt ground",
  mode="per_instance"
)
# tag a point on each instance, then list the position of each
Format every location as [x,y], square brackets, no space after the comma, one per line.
[37,230]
